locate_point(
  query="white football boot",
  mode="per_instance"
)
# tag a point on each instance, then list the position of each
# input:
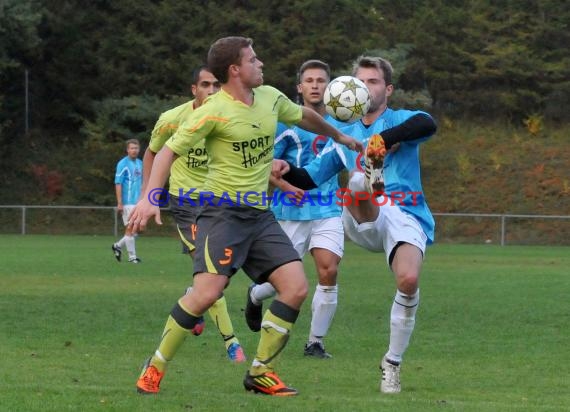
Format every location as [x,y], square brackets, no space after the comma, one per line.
[390,382]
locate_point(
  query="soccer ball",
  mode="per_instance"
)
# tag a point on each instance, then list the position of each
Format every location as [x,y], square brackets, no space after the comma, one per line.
[346,99]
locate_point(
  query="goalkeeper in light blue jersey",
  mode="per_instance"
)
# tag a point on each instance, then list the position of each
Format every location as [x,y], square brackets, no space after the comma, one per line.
[385,207]
[311,219]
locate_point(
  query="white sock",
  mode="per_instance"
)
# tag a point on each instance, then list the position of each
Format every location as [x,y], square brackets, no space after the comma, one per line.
[261,292]
[402,321]
[323,307]
[130,242]
[122,243]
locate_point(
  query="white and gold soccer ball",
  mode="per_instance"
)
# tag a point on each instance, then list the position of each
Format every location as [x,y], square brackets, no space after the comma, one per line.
[346,99]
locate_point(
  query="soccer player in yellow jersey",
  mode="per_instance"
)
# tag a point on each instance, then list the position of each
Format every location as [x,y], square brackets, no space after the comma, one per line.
[187,173]
[235,228]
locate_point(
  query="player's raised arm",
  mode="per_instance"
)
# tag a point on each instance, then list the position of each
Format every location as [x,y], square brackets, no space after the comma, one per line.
[418,126]
[313,122]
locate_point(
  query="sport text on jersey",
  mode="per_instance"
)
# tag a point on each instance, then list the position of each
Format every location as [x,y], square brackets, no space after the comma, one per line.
[250,150]
[196,157]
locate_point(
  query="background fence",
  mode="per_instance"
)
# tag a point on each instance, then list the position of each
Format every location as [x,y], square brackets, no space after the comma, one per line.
[70,220]
[503,229]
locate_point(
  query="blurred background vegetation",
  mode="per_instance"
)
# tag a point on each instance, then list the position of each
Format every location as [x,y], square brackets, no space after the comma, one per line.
[77,78]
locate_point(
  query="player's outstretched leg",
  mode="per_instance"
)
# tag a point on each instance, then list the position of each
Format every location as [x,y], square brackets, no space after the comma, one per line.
[402,322]
[178,326]
[275,328]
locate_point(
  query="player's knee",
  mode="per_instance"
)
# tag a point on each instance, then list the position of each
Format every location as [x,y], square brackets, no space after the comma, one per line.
[407,283]
[327,275]
[294,293]
[203,298]
[297,291]
[290,283]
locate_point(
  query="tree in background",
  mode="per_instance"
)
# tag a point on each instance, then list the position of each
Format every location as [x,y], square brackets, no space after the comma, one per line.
[493,59]
[19,48]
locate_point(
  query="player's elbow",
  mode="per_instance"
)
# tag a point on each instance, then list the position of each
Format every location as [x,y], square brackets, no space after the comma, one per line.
[429,125]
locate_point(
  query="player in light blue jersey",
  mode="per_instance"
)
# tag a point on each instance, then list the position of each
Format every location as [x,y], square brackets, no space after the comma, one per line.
[401,169]
[128,184]
[314,224]
[385,209]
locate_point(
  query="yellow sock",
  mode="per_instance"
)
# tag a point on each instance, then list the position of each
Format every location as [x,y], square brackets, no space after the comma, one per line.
[221,318]
[178,326]
[274,336]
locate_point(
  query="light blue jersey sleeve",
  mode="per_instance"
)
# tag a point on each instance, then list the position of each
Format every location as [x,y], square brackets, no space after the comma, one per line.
[281,140]
[330,162]
[300,147]
[336,157]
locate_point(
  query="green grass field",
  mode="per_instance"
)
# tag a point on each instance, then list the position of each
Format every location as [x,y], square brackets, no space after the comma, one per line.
[491,332]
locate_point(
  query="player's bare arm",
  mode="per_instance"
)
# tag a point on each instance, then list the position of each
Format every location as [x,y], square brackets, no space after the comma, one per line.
[292,192]
[148,161]
[279,167]
[119,195]
[146,207]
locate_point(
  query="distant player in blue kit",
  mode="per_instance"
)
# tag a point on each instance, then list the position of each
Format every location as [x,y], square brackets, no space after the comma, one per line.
[128,184]
[311,226]
[385,209]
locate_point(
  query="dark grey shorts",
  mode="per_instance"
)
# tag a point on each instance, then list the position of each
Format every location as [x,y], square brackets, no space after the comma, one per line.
[233,237]
[185,218]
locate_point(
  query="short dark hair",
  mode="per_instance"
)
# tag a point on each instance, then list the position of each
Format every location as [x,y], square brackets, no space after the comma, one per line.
[377,63]
[313,64]
[224,52]
[196,73]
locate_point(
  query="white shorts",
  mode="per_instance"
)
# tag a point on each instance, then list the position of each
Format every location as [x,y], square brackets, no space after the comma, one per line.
[391,227]
[127,210]
[309,234]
